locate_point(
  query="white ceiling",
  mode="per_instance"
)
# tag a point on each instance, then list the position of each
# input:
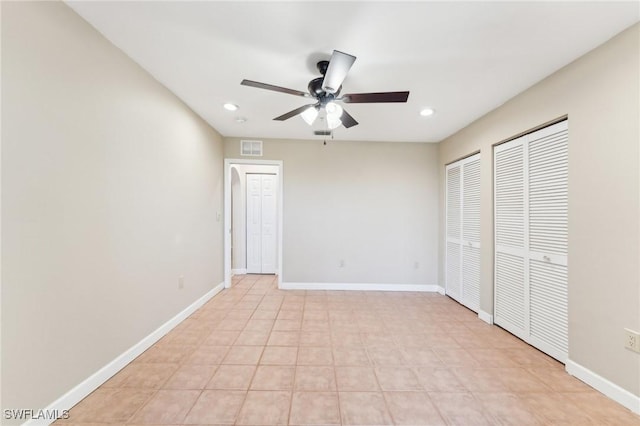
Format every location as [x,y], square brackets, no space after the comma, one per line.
[461,58]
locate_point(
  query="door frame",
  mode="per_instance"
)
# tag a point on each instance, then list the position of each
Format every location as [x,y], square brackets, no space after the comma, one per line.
[228,162]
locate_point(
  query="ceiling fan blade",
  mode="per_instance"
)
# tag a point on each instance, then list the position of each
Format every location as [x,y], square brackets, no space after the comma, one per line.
[293,113]
[348,120]
[380,97]
[273,88]
[339,65]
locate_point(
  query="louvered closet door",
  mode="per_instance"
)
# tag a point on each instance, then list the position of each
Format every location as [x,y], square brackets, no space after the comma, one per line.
[453,254]
[531,230]
[463,231]
[471,233]
[509,198]
[548,240]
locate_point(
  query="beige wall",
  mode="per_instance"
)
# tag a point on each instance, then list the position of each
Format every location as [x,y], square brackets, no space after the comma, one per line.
[373,205]
[110,188]
[600,94]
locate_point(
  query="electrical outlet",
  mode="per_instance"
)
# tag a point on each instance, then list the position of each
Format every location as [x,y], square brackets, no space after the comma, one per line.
[632,340]
[341,263]
[181,281]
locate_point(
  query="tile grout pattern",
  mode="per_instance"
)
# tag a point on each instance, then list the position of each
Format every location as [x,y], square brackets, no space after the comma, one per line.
[257,355]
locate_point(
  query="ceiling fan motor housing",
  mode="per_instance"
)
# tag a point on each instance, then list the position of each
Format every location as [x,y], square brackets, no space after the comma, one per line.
[315,87]
[316,90]
[322,67]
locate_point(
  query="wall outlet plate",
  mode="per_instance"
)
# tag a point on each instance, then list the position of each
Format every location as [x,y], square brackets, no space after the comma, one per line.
[632,340]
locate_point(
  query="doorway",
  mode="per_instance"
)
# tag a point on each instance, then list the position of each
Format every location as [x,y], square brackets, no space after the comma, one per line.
[253,238]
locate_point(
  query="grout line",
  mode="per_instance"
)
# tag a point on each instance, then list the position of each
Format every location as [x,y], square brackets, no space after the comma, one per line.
[144,404]
[295,370]
[435,406]
[335,374]
[195,401]
[246,394]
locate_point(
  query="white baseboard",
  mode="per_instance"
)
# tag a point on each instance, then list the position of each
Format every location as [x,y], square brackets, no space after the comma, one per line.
[442,291]
[485,316]
[238,271]
[79,392]
[599,383]
[360,287]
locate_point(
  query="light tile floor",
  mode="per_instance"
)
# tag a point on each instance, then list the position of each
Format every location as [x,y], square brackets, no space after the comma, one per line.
[256,355]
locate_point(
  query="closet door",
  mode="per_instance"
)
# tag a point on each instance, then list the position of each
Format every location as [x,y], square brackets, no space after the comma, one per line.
[453,255]
[548,240]
[471,233]
[269,209]
[509,211]
[462,256]
[261,223]
[254,223]
[531,230]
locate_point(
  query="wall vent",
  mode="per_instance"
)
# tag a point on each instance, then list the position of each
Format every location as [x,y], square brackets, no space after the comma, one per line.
[251,148]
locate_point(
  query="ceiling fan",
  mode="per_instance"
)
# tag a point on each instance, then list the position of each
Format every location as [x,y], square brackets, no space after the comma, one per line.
[326,91]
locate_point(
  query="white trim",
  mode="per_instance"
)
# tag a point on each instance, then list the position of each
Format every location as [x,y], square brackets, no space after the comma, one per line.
[441,290]
[599,383]
[238,271]
[80,391]
[228,162]
[485,316]
[362,287]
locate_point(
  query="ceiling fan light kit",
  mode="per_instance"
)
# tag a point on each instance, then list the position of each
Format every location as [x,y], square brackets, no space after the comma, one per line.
[326,91]
[333,118]
[310,114]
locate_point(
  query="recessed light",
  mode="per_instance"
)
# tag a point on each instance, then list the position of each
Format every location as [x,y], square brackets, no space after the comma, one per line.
[427,112]
[230,107]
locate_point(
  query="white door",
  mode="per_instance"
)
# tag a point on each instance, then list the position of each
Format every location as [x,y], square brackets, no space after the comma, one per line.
[453,255]
[531,238]
[268,243]
[261,223]
[470,292]
[462,257]
[509,217]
